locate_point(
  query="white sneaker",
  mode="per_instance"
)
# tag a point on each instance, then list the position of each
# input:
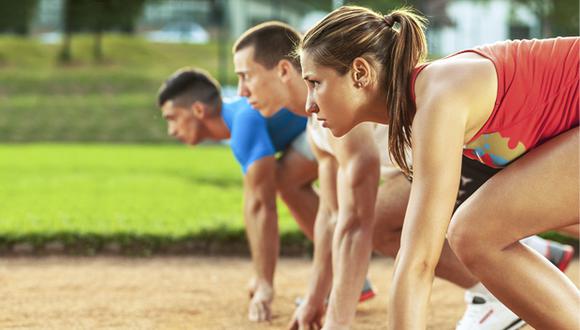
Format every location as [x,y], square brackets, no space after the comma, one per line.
[485,312]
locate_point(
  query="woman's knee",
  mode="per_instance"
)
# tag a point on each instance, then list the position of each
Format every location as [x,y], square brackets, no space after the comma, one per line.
[467,237]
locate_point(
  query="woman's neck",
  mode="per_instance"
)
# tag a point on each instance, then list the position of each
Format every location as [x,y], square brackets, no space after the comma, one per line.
[378,109]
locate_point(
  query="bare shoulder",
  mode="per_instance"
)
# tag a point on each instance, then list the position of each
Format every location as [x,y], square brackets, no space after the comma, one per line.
[464,85]
[460,76]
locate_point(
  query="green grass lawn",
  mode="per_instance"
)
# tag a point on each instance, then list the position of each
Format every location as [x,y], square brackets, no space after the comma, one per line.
[113,101]
[167,191]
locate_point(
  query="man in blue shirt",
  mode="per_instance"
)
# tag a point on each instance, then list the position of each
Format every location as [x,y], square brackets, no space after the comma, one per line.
[192,105]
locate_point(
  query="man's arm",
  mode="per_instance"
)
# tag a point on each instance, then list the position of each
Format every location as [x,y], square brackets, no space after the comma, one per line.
[358,180]
[309,313]
[261,221]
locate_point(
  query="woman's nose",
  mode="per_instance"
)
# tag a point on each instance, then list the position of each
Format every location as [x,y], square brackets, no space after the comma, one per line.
[311,106]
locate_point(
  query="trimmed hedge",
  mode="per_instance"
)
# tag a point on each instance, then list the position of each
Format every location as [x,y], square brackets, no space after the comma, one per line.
[219,241]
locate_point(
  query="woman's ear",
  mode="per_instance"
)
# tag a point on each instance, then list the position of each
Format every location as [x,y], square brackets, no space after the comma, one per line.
[361,72]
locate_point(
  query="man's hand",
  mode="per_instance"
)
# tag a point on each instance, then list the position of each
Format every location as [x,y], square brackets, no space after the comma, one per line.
[261,296]
[307,316]
[335,327]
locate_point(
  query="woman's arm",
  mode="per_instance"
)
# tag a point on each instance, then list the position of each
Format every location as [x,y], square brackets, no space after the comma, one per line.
[438,133]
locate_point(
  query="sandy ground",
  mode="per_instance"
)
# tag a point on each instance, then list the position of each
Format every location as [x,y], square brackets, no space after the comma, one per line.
[176,293]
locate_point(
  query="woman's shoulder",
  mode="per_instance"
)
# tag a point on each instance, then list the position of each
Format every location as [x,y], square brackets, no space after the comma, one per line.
[463,78]
[462,86]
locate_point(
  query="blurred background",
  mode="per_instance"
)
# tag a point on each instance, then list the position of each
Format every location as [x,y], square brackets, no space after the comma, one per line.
[85,163]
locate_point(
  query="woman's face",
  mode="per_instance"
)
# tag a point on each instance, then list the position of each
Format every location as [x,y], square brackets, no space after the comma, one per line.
[332,97]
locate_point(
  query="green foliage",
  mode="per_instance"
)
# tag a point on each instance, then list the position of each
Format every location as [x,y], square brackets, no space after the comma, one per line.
[556,17]
[15,16]
[102,15]
[383,6]
[137,196]
[564,18]
[97,17]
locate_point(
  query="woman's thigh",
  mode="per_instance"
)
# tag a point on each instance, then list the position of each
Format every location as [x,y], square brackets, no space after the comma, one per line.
[536,193]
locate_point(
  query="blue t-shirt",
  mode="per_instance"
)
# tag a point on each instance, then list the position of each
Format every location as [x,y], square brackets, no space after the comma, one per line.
[253,136]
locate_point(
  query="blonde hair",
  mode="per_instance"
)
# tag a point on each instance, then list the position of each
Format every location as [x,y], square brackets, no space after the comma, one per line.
[397,41]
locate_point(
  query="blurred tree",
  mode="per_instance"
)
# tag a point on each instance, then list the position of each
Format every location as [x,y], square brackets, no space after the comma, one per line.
[97,17]
[564,18]
[435,10]
[556,17]
[219,23]
[15,16]
[540,8]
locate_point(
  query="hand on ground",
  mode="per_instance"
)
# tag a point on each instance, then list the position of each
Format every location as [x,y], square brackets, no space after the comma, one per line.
[252,286]
[260,303]
[307,316]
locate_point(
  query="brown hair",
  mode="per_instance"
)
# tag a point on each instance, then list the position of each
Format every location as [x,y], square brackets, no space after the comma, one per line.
[272,42]
[188,85]
[397,41]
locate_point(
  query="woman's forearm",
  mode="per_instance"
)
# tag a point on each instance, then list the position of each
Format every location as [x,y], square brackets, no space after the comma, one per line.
[409,295]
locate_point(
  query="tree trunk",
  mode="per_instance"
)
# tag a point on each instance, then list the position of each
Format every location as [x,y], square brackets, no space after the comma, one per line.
[65,55]
[98,45]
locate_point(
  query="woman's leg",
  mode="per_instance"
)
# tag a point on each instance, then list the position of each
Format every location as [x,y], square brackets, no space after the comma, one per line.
[392,200]
[573,230]
[536,193]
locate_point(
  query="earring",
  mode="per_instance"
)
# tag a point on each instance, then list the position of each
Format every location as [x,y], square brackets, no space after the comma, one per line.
[358,84]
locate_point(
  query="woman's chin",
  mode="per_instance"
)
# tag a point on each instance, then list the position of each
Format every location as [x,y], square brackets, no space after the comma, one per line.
[337,132]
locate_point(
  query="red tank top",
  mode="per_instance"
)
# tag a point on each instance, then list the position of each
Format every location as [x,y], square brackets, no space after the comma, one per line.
[537,97]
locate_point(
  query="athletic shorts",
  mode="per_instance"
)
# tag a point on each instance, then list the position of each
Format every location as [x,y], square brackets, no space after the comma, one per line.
[473,175]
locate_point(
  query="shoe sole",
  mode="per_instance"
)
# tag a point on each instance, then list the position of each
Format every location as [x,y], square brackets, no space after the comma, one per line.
[364,296]
[566,258]
[517,324]
[367,295]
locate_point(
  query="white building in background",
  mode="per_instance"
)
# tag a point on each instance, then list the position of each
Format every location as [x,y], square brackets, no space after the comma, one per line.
[48,16]
[482,22]
[243,14]
[476,22]
[239,15]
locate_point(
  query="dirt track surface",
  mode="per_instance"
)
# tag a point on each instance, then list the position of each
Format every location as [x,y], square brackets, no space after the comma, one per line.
[176,293]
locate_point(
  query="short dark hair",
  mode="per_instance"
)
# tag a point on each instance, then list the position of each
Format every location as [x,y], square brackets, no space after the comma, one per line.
[188,85]
[272,42]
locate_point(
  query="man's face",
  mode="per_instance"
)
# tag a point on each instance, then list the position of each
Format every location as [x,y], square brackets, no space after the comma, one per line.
[263,87]
[183,125]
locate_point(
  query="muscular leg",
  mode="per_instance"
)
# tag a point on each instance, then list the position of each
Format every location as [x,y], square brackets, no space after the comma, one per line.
[294,176]
[573,230]
[536,193]
[392,200]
